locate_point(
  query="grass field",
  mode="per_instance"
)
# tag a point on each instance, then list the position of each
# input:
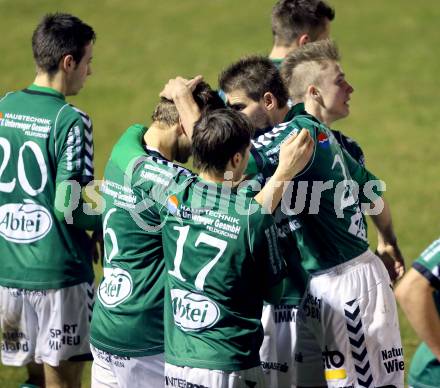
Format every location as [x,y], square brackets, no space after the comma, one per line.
[389,53]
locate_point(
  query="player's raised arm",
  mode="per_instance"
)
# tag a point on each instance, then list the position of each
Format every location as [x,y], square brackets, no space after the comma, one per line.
[295,153]
[180,91]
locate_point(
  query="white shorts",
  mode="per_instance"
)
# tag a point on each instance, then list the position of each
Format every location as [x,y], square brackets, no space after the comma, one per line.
[350,311]
[184,376]
[278,349]
[111,371]
[45,326]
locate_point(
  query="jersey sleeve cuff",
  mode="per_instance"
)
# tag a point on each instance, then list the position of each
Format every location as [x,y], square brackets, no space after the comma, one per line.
[425,272]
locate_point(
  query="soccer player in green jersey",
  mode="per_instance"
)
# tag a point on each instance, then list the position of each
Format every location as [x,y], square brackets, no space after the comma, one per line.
[297,22]
[127,324]
[419,296]
[314,76]
[46,282]
[330,234]
[266,105]
[222,259]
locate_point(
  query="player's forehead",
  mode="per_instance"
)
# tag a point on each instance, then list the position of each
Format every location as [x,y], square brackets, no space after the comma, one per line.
[238,96]
[332,70]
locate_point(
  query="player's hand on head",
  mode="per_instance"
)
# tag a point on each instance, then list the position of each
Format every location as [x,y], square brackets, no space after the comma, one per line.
[393,260]
[296,152]
[179,86]
[193,82]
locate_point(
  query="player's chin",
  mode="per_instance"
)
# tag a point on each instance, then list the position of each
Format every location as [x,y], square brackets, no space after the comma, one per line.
[344,111]
[74,91]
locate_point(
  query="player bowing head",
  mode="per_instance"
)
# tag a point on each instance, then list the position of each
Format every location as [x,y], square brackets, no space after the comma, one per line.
[232,134]
[254,86]
[166,117]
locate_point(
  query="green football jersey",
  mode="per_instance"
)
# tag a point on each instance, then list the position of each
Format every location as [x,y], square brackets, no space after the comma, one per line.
[221,255]
[287,229]
[326,197]
[128,314]
[425,367]
[351,146]
[277,62]
[44,141]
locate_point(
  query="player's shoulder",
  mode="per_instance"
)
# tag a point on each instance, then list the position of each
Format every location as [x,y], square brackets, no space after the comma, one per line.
[276,134]
[146,164]
[72,111]
[281,131]
[128,148]
[431,255]
[7,95]
[153,168]
[428,264]
[164,165]
[68,118]
[350,145]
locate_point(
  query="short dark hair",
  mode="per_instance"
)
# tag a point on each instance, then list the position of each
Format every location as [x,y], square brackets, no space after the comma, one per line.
[255,75]
[291,18]
[57,35]
[205,98]
[217,137]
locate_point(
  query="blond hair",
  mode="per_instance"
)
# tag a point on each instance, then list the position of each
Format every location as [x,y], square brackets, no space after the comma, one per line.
[303,66]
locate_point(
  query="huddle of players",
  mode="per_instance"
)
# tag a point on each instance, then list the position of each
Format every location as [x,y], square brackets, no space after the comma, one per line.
[190,258]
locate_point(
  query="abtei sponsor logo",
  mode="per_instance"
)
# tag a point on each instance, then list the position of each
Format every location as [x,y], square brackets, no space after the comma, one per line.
[115,287]
[24,223]
[193,312]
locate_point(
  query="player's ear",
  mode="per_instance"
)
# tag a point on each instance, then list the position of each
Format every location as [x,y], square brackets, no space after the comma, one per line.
[313,92]
[67,63]
[303,39]
[236,159]
[270,101]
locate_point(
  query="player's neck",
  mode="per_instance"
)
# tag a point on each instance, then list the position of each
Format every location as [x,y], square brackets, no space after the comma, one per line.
[280,52]
[158,138]
[210,176]
[230,175]
[318,112]
[55,82]
[279,115]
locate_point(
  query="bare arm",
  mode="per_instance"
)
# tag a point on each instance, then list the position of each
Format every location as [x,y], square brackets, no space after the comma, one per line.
[295,153]
[179,90]
[414,294]
[387,248]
